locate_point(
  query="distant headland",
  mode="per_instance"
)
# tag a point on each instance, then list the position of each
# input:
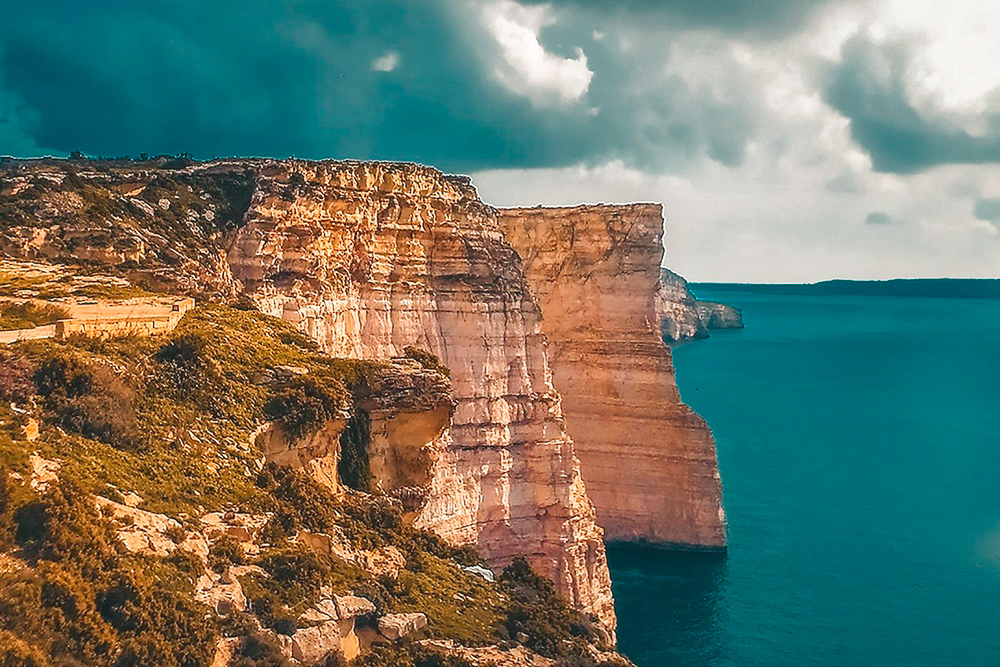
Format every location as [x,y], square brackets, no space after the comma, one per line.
[954,288]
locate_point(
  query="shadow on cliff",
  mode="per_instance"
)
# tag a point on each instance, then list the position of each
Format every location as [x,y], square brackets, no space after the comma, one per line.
[669,604]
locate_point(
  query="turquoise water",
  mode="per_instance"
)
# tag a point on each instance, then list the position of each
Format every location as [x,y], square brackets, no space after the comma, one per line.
[859,444]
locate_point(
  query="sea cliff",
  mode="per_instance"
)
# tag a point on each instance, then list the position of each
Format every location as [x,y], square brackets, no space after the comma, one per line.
[649,461]
[682,316]
[529,408]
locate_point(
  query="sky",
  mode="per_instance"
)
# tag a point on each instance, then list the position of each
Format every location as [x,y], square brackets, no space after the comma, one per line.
[788,140]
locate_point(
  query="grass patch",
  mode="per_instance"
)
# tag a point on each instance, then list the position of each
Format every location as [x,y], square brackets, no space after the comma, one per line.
[29,314]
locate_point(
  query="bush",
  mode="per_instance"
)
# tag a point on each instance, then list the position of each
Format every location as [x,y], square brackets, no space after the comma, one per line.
[15,652]
[16,378]
[405,652]
[89,399]
[354,468]
[304,404]
[82,602]
[427,360]
[258,650]
[28,314]
[227,550]
[552,627]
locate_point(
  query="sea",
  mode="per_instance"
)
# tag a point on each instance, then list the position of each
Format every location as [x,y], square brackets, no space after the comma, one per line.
[859,446]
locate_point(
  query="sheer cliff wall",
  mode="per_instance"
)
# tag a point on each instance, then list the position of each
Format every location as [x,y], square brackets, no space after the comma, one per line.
[370,258]
[648,460]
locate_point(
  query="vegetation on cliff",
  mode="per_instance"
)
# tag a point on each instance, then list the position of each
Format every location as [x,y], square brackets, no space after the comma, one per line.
[171,419]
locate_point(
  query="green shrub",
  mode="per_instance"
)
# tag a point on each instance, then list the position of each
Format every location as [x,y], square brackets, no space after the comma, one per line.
[354,468]
[304,404]
[17,373]
[407,653]
[553,628]
[29,314]
[16,652]
[88,398]
[225,551]
[258,650]
[80,601]
[427,360]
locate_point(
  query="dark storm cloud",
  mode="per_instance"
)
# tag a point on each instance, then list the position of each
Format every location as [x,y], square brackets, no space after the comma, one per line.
[988,210]
[868,86]
[764,17]
[296,78]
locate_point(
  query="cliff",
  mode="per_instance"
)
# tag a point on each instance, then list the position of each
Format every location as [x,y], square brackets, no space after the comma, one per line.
[372,258]
[595,271]
[683,317]
[541,317]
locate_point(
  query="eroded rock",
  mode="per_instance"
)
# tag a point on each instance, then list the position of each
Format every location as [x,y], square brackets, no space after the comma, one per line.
[394,626]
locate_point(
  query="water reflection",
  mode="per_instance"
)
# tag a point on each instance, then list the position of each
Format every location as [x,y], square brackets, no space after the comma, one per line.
[674,613]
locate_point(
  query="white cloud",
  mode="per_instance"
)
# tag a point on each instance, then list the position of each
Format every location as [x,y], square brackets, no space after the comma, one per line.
[525,67]
[387,62]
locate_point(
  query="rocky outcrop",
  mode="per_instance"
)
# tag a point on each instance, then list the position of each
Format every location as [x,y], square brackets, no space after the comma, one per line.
[649,461]
[333,630]
[394,626]
[717,315]
[683,317]
[372,258]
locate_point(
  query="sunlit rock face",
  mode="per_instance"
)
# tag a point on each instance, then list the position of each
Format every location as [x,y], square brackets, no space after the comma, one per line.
[370,258]
[648,460]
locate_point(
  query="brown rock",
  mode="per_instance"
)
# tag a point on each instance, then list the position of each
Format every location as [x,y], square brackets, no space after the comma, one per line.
[140,531]
[310,645]
[649,461]
[30,429]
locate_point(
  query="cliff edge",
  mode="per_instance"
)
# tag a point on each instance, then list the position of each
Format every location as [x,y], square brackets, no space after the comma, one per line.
[595,271]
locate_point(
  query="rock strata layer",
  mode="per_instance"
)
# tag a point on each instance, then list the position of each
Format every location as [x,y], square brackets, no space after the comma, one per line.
[372,258]
[648,460]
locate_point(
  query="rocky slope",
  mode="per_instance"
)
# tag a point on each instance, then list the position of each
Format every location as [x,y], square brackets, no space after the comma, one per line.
[683,317]
[649,461]
[141,523]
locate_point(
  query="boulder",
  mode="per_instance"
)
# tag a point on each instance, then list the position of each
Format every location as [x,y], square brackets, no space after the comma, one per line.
[43,472]
[394,626]
[311,645]
[221,592]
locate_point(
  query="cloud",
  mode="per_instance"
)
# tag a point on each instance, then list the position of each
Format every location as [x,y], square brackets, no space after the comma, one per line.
[876,85]
[988,210]
[386,62]
[518,86]
[525,67]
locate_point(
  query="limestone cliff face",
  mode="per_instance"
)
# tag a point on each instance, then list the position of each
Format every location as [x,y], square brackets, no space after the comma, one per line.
[683,317]
[370,258]
[649,461]
[677,309]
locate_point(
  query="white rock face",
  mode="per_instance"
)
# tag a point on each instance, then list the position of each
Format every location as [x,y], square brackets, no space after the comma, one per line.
[369,258]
